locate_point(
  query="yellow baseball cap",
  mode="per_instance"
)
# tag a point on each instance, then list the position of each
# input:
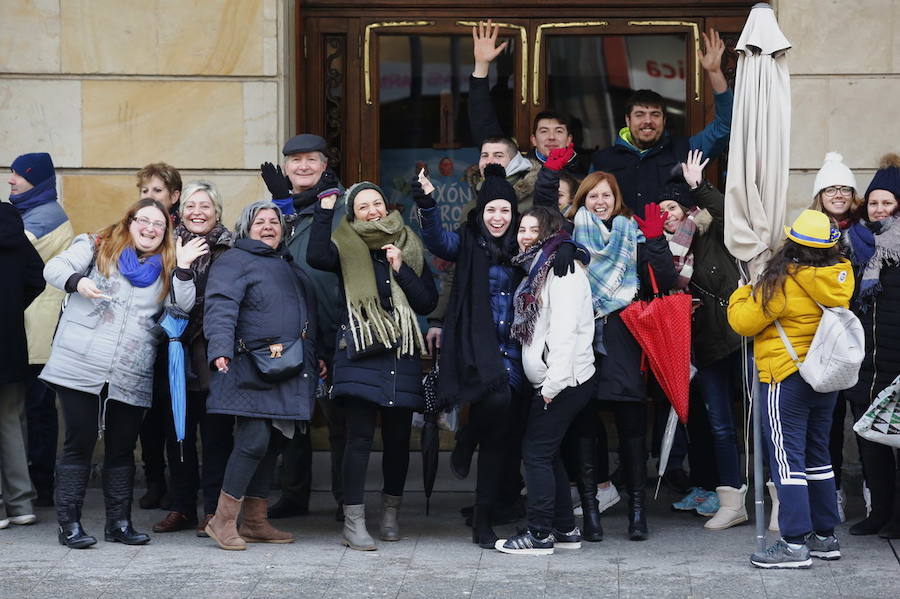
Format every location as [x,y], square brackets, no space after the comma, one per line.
[813,229]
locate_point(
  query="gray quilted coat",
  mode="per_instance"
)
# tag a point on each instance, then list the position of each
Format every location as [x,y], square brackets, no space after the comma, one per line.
[107,340]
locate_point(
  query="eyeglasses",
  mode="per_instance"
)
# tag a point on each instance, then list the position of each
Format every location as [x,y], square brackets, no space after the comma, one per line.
[830,192]
[144,222]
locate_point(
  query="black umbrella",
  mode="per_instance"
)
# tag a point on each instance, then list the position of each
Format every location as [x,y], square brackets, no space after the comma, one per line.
[430,440]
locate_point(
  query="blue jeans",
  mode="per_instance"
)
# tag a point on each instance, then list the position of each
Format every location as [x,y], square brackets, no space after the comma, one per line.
[716,384]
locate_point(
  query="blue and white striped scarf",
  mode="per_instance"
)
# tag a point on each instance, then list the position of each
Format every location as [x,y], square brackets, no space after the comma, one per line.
[613,268]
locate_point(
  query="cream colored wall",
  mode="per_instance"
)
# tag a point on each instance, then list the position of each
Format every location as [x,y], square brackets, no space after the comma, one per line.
[845,84]
[107,86]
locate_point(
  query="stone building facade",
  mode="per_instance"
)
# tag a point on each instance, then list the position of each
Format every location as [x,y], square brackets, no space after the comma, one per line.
[209,86]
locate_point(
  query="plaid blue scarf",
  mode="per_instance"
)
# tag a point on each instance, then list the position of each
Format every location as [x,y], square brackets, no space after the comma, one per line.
[613,268]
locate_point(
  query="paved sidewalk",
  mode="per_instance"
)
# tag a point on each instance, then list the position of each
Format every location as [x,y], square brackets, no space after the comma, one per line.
[435,560]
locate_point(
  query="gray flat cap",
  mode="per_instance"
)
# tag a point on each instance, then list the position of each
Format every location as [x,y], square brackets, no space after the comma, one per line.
[305,142]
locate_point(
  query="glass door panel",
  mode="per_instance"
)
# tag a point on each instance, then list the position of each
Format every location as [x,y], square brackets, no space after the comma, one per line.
[590,78]
[423,87]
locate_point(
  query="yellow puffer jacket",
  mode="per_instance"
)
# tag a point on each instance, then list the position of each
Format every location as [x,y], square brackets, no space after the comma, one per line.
[795,308]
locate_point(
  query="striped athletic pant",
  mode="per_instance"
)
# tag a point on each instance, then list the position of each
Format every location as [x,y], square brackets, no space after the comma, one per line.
[796,430]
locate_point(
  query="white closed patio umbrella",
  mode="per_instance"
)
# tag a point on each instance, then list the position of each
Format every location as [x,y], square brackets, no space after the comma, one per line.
[757,180]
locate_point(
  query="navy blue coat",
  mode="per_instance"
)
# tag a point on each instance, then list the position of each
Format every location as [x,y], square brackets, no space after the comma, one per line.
[381,378]
[502,280]
[252,295]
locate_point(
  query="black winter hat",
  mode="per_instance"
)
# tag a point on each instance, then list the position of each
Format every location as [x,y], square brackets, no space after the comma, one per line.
[496,187]
[887,176]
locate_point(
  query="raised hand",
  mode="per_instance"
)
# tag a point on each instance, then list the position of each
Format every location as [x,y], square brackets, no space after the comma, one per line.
[421,189]
[692,169]
[560,157]
[278,185]
[328,198]
[485,46]
[186,253]
[711,59]
[652,223]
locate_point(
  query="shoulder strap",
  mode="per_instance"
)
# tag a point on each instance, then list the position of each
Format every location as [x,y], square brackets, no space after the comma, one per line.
[787,344]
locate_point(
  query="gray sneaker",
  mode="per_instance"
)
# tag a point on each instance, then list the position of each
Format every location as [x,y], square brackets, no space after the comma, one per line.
[780,555]
[827,548]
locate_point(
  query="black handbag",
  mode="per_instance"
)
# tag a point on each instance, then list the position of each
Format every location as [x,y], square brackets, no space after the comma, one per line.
[278,362]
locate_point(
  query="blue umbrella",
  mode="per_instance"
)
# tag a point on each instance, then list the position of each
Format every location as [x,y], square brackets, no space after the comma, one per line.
[174,322]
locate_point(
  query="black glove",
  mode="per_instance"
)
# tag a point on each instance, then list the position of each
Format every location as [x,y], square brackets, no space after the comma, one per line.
[564,262]
[419,196]
[279,185]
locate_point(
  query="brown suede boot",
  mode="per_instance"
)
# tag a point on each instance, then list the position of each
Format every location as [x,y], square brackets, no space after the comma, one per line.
[223,526]
[255,527]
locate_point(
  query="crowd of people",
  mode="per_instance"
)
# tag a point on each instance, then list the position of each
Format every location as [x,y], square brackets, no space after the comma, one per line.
[313,302]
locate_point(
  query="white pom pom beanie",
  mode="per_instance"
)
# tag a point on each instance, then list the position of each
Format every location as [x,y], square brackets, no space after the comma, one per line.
[833,172]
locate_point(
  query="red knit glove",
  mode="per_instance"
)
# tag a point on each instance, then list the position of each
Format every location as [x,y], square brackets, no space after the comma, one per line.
[652,223]
[559,157]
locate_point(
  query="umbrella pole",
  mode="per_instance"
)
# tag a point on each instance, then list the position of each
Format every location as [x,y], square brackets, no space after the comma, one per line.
[758,483]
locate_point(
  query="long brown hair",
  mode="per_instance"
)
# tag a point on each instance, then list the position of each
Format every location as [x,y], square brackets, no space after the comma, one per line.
[784,262]
[112,241]
[589,183]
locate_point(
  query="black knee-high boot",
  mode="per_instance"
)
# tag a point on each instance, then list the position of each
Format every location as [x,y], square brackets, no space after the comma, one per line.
[635,464]
[71,483]
[586,479]
[118,487]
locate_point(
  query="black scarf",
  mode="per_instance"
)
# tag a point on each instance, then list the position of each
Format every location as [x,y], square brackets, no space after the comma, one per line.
[470,364]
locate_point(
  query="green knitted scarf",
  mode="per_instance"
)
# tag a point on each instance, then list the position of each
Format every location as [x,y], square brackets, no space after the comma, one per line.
[368,320]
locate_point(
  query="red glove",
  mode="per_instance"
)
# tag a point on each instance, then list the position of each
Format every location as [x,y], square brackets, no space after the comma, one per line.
[652,223]
[559,157]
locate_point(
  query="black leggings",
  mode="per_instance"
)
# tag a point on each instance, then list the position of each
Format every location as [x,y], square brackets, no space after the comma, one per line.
[396,425]
[81,412]
[251,465]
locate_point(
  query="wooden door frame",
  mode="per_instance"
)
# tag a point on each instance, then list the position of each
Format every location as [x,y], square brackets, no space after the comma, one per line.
[359,149]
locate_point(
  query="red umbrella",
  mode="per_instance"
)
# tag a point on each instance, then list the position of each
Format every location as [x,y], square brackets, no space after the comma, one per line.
[662,327]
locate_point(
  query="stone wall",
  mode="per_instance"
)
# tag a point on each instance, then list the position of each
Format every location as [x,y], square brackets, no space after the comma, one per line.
[107,86]
[845,83]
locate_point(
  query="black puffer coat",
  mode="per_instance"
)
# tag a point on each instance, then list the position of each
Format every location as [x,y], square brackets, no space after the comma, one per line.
[880,318]
[381,378]
[23,280]
[620,377]
[252,296]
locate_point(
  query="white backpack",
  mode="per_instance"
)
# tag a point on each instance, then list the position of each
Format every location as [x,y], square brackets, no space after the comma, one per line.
[836,353]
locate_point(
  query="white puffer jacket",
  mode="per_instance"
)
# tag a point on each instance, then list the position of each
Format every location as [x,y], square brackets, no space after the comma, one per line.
[561,352]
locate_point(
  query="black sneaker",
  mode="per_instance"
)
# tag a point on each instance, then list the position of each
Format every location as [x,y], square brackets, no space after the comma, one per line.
[567,540]
[827,548]
[525,543]
[781,555]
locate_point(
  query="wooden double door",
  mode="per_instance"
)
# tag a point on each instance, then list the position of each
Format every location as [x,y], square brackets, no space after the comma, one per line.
[386,82]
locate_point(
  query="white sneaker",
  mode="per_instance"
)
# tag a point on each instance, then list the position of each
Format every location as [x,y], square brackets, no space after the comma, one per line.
[23,519]
[607,497]
[840,505]
[4,523]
